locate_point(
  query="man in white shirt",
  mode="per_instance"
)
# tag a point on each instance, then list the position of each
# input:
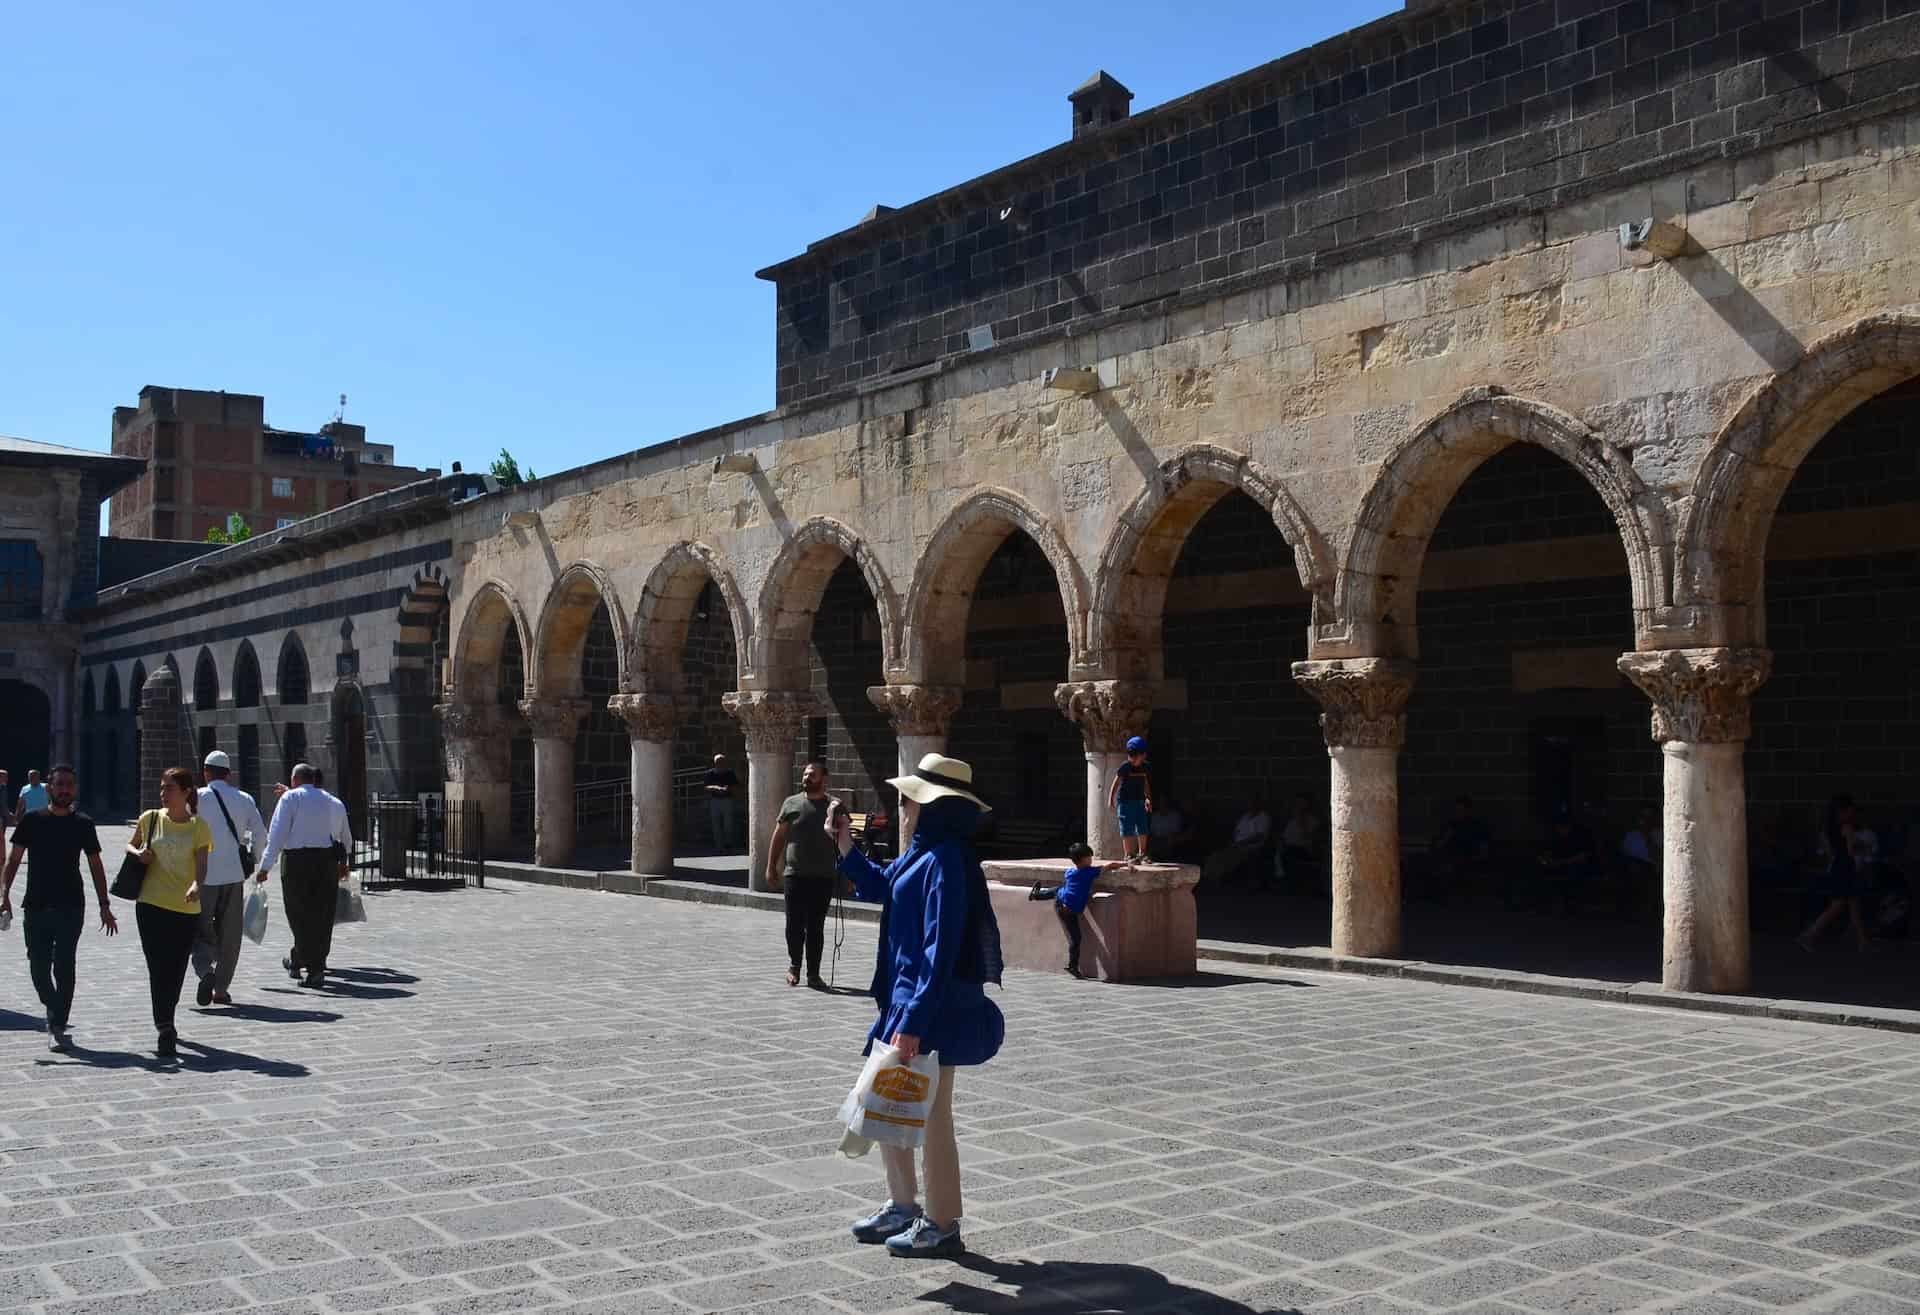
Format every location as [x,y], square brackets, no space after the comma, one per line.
[235,822]
[307,824]
[1250,835]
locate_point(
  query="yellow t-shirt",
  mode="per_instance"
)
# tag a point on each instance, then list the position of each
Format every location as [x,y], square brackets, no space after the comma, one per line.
[172,869]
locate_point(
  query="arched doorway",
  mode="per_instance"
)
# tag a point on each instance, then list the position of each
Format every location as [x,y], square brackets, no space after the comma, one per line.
[348,782]
[246,711]
[206,704]
[129,778]
[579,747]
[28,744]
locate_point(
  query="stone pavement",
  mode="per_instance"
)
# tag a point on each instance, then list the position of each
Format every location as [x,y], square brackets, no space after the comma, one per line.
[522,1097]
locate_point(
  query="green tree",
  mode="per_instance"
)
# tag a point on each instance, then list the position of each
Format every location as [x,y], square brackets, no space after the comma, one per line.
[236,531]
[508,472]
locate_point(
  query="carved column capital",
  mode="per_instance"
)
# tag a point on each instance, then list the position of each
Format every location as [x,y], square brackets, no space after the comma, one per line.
[553,719]
[1364,700]
[475,736]
[1107,712]
[770,718]
[917,709]
[648,716]
[1700,695]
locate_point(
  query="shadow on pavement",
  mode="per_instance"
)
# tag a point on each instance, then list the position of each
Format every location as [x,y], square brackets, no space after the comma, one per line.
[347,989]
[1067,1287]
[193,1055]
[17,1022]
[254,1013]
[387,976]
[1205,979]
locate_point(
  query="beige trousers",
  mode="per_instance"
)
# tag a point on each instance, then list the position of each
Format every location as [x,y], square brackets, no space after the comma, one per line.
[942,1157]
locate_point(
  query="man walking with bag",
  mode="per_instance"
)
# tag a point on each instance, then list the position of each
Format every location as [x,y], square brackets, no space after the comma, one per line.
[310,829]
[52,840]
[231,814]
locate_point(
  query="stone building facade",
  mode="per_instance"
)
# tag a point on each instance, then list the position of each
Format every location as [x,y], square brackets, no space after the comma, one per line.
[1410,416]
[325,642]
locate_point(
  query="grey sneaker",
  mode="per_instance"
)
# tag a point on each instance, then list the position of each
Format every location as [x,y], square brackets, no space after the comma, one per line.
[884,1223]
[926,1240]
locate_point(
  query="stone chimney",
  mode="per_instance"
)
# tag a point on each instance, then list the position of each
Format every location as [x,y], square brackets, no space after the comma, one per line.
[1097,102]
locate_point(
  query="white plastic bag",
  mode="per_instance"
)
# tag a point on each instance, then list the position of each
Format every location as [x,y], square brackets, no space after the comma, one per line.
[253,918]
[347,904]
[890,1102]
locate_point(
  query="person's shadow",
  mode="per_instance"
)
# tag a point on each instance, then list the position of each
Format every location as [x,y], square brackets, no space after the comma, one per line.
[1071,1287]
[386,976]
[194,1057]
[259,1013]
[13,1021]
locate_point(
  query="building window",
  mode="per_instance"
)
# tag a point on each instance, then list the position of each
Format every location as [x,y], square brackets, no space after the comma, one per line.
[20,579]
[283,522]
[283,486]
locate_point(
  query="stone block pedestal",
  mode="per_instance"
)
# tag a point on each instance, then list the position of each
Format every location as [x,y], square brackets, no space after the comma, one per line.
[1140,923]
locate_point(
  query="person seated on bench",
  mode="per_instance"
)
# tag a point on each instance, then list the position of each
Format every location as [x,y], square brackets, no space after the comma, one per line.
[1294,862]
[1250,836]
[1566,864]
[1170,834]
[1459,853]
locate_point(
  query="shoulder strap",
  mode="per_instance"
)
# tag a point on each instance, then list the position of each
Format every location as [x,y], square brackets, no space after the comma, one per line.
[232,830]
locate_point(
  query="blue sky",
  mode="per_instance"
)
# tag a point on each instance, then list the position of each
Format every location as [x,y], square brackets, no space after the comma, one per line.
[489,225]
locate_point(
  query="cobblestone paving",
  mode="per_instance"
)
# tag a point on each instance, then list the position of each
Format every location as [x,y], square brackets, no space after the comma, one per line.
[523,1097]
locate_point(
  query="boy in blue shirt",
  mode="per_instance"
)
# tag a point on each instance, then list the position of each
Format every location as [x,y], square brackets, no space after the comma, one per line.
[1070,898]
[1131,797]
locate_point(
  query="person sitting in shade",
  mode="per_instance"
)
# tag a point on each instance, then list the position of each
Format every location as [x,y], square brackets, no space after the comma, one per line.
[1250,836]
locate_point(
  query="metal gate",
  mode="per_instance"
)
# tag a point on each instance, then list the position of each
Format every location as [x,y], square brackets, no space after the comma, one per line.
[421,842]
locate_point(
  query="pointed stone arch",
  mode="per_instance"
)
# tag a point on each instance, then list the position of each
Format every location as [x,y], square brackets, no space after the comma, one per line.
[491,615]
[292,679]
[206,682]
[1380,579]
[111,696]
[667,602]
[417,620]
[949,569]
[1130,583]
[554,660]
[795,583]
[1722,544]
[246,676]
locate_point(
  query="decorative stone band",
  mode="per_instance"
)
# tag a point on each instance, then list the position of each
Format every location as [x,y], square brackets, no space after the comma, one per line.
[476,741]
[553,719]
[770,718]
[1106,711]
[917,709]
[648,716]
[1700,695]
[1364,700]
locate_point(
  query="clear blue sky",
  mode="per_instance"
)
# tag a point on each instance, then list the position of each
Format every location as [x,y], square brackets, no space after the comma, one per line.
[503,225]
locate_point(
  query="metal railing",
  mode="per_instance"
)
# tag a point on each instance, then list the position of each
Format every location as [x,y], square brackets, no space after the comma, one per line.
[421,842]
[603,810]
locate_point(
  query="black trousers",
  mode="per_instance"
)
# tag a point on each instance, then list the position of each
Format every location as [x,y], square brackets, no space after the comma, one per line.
[309,887]
[1071,921]
[52,936]
[808,900]
[166,939]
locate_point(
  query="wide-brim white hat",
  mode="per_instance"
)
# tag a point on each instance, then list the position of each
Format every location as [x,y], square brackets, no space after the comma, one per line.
[939,777]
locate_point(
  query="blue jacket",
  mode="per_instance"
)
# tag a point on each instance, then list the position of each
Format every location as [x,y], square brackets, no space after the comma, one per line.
[939,941]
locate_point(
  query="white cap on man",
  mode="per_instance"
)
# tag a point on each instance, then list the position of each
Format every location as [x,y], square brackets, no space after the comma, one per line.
[220,760]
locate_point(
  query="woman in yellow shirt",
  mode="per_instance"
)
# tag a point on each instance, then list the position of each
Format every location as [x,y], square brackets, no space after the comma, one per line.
[177,841]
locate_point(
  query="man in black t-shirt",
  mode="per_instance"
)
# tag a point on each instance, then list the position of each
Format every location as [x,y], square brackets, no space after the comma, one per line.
[803,860]
[52,839]
[723,802]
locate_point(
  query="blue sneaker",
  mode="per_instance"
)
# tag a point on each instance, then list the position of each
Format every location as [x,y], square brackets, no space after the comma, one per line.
[925,1240]
[890,1219]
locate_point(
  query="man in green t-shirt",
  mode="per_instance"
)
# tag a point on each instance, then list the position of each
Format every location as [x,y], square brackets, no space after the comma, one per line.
[801,860]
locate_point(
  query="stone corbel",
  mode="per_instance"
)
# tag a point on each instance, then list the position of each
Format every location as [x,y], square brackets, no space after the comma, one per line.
[771,719]
[553,719]
[1364,700]
[648,716]
[917,709]
[1107,712]
[1700,695]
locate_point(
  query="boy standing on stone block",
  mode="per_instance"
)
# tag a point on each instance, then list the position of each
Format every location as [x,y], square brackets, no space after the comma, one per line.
[1131,797]
[1070,898]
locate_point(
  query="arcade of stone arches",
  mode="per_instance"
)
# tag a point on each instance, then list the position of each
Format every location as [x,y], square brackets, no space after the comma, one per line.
[1695,564]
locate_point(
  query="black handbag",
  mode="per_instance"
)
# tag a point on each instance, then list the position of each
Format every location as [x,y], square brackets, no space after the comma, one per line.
[133,873]
[246,853]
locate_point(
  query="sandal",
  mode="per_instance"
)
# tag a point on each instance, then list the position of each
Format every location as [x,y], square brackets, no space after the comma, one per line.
[793,977]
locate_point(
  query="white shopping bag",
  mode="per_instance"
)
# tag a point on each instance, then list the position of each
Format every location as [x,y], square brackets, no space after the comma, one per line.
[253,918]
[347,904]
[890,1102]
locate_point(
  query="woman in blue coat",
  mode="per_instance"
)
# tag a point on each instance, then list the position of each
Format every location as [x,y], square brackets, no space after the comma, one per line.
[939,947]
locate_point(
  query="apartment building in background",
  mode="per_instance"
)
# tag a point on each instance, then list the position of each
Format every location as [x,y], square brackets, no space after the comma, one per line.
[211,454]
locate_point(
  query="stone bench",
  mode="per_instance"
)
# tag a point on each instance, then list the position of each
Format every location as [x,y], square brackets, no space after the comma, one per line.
[1140,922]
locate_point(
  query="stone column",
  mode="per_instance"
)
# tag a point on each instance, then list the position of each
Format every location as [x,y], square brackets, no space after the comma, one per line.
[476,737]
[1702,716]
[553,723]
[1107,713]
[921,717]
[650,721]
[1364,720]
[772,721]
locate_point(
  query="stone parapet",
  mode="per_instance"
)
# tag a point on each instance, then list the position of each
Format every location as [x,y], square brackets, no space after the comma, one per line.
[1140,923]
